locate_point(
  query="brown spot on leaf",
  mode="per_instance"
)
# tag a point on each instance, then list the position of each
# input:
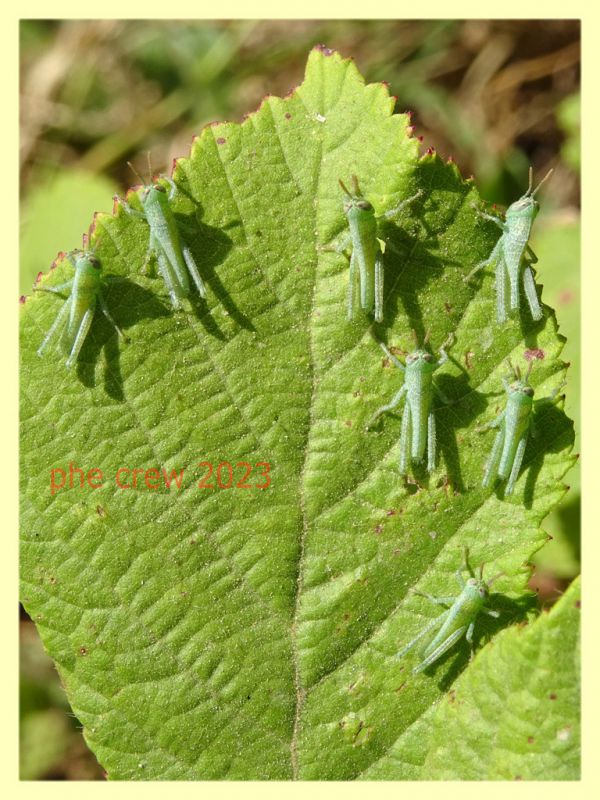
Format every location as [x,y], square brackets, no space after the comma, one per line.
[534,354]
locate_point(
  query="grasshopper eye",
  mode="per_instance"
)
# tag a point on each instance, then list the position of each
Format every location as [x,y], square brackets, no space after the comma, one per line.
[94,262]
[427,357]
[160,188]
[364,205]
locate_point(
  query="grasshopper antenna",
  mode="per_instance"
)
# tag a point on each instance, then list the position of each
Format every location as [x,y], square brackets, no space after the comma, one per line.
[135,172]
[540,184]
[344,188]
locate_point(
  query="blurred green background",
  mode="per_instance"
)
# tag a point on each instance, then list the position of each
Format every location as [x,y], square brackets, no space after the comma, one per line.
[496,95]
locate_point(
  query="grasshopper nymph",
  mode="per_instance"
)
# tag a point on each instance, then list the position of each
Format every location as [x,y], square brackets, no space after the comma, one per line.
[78,310]
[457,620]
[366,262]
[513,256]
[515,424]
[172,254]
[417,433]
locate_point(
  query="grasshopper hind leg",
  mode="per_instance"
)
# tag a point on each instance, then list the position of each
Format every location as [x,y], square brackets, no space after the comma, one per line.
[431,442]
[405,438]
[491,470]
[86,324]
[378,289]
[531,294]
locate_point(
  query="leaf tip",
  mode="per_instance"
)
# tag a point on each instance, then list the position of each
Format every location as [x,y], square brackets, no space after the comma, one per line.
[324,50]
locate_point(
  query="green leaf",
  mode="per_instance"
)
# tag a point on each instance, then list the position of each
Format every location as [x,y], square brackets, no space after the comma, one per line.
[247,633]
[513,715]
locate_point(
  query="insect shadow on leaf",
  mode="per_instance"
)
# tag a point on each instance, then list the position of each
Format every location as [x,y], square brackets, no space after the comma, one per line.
[209,246]
[417,257]
[554,433]
[132,304]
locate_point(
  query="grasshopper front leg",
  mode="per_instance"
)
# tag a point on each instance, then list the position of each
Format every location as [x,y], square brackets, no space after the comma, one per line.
[394,403]
[61,287]
[394,211]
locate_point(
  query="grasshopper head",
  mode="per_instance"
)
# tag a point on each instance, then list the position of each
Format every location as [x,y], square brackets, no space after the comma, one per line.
[420,355]
[421,358]
[87,263]
[151,190]
[354,200]
[478,587]
[523,387]
[520,384]
[527,206]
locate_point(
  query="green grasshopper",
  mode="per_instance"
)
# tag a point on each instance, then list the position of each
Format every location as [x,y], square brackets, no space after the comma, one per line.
[515,424]
[417,432]
[457,620]
[513,256]
[78,311]
[172,254]
[366,262]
